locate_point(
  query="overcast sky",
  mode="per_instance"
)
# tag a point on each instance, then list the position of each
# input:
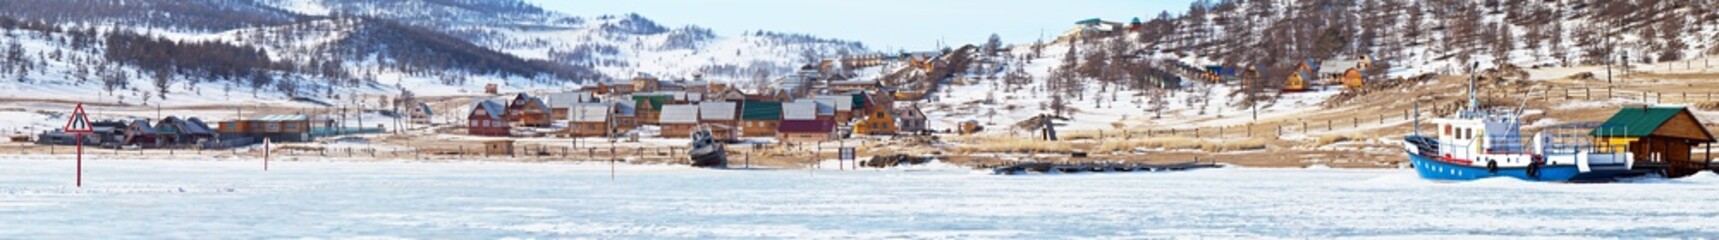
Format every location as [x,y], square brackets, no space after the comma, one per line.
[885,25]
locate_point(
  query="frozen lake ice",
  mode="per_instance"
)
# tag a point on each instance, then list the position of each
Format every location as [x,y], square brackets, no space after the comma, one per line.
[233,199]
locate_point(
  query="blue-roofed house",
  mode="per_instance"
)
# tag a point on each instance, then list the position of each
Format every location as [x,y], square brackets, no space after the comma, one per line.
[488,118]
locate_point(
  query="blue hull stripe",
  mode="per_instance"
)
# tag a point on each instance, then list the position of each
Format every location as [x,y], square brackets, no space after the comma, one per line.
[1437,170]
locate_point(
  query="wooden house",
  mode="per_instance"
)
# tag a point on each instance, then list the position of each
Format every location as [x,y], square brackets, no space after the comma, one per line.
[854,85]
[646,83]
[488,118]
[649,107]
[560,104]
[1090,28]
[722,117]
[678,120]
[279,128]
[877,123]
[140,133]
[184,131]
[1346,72]
[591,120]
[1658,136]
[626,116]
[806,131]
[727,94]
[491,89]
[614,88]
[843,106]
[1298,80]
[760,118]
[527,110]
[911,120]
[421,113]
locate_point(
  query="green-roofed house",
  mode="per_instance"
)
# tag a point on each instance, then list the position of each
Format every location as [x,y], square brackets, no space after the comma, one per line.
[648,108]
[760,118]
[1658,136]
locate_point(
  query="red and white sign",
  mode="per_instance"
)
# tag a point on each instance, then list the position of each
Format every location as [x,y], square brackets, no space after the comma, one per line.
[79,122]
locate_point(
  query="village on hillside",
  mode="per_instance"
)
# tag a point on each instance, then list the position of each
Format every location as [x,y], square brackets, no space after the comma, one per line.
[980,105]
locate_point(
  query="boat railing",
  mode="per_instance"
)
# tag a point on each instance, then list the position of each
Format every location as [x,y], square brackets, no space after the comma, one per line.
[1573,138]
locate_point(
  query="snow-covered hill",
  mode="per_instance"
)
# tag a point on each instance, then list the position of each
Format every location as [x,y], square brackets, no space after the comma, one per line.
[1439,36]
[618,46]
[329,49]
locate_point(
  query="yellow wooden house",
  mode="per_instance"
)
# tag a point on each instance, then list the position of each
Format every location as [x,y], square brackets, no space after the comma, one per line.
[877,123]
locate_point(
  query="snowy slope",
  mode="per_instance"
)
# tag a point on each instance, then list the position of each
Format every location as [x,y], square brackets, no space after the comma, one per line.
[619,46]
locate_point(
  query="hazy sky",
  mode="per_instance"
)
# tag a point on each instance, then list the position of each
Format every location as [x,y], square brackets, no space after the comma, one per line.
[881,24]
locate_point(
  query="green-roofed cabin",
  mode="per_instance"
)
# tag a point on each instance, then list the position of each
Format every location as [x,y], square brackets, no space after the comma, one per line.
[760,118]
[649,107]
[1660,137]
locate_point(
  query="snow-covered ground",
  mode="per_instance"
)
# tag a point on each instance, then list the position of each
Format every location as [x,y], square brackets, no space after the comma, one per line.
[236,199]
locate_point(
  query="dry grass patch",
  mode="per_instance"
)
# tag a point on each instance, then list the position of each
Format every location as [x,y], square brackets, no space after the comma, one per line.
[1011,144]
[1184,143]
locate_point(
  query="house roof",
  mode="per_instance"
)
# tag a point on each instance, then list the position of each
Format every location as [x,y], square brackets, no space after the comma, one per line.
[196,125]
[491,108]
[717,111]
[424,107]
[840,102]
[567,99]
[626,108]
[854,82]
[541,106]
[910,112]
[806,126]
[679,114]
[1337,67]
[142,126]
[1640,121]
[800,110]
[282,118]
[589,112]
[761,111]
[654,101]
[169,125]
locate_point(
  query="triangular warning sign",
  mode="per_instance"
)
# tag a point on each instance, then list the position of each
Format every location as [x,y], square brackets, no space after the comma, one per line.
[79,123]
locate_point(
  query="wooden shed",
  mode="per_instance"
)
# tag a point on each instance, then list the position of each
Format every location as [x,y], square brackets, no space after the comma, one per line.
[1659,136]
[498,147]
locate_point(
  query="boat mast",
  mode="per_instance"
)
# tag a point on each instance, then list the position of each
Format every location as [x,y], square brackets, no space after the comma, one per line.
[1417,117]
[1473,104]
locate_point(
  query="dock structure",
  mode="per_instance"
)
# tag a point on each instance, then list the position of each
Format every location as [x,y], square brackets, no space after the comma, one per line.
[1036,167]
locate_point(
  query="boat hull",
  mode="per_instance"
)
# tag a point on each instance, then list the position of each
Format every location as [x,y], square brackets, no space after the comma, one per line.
[711,156]
[1434,169]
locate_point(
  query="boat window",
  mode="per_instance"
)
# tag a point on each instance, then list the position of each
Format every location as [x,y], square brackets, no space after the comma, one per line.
[1447,130]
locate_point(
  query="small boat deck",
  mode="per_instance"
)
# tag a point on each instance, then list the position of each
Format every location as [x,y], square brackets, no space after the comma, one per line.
[1028,168]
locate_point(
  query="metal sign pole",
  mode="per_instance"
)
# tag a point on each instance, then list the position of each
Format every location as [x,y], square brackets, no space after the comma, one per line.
[78,125]
[80,168]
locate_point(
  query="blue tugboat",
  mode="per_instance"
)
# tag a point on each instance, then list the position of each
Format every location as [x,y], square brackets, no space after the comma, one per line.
[1480,144]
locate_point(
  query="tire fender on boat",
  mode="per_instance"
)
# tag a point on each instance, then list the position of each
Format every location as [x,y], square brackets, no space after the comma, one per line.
[1534,170]
[1492,166]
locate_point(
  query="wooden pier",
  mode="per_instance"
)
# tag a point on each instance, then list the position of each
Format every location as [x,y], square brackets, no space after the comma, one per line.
[1057,168]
